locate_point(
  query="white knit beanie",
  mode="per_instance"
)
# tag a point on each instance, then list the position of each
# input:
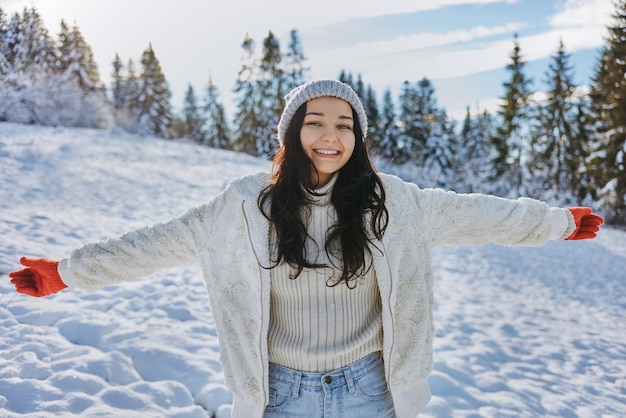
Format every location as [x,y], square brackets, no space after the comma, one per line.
[319,88]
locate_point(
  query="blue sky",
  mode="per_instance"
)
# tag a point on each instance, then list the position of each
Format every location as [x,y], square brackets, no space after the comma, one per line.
[462,46]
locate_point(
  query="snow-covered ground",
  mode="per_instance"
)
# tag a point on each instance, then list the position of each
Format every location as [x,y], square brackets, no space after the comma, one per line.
[521,332]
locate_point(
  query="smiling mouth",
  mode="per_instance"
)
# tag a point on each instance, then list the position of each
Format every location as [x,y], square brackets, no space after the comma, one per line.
[327,152]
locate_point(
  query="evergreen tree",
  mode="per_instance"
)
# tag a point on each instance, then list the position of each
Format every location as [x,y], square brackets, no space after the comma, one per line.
[373,115]
[42,85]
[514,120]
[345,77]
[153,101]
[3,27]
[76,59]
[193,119]
[608,108]
[15,94]
[294,62]
[64,46]
[77,63]
[124,92]
[447,152]
[437,137]
[272,89]
[216,126]
[247,118]
[35,51]
[359,87]
[582,178]
[8,45]
[556,149]
[5,65]
[132,84]
[474,153]
[388,146]
[411,119]
[118,94]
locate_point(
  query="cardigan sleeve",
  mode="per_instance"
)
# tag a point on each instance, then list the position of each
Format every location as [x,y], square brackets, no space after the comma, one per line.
[141,252]
[454,219]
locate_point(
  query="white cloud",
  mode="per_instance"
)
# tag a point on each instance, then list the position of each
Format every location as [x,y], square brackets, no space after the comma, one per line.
[261,15]
[425,40]
[582,13]
[422,55]
[434,55]
[284,15]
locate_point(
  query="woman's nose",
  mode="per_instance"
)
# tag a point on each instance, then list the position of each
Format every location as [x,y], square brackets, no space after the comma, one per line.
[329,135]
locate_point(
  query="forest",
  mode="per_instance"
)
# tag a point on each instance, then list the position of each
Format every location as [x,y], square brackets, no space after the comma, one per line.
[563,143]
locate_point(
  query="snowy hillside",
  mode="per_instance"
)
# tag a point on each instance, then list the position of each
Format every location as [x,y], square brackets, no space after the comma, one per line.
[521,332]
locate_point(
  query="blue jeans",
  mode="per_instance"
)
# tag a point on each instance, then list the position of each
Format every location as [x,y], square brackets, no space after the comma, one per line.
[357,390]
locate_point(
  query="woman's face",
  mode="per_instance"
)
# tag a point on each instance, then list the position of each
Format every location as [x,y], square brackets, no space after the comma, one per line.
[327,136]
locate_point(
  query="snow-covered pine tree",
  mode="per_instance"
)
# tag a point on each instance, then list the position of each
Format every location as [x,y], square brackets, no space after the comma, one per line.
[35,90]
[435,153]
[388,146]
[412,135]
[247,119]
[370,104]
[3,27]
[474,153]
[272,87]
[555,148]
[5,65]
[76,58]
[583,187]
[152,103]
[35,51]
[346,77]
[193,119]
[11,36]
[124,93]
[118,95]
[294,62]
[216,125]
[64,46]
[77,65]
[608,109]
[15,105]
[511,137]
[359,87]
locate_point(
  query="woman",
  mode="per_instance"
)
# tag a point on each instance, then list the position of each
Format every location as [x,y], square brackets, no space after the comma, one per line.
[319,274]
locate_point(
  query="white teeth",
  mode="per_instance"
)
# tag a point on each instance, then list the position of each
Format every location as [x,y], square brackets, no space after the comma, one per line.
[327,152]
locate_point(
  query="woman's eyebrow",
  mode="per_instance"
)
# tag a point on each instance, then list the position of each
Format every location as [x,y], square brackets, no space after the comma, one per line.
[322,114]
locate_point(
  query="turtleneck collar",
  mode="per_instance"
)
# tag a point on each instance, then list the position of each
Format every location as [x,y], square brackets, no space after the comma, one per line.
[322,196]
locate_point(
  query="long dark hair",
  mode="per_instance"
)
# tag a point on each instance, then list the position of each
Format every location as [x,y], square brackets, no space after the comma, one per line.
[358,191]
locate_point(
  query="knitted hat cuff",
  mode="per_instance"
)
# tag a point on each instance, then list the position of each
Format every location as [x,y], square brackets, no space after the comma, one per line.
[319,88]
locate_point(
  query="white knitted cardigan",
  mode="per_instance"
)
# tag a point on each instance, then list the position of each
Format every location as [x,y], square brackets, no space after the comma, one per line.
[228,237]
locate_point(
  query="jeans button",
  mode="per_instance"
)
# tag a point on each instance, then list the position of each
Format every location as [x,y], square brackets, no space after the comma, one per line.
[328,379]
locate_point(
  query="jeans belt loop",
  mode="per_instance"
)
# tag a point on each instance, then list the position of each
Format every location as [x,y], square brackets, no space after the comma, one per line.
[295,391]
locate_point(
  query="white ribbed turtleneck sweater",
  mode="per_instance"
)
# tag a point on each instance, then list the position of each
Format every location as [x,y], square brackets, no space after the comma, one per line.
[314,327]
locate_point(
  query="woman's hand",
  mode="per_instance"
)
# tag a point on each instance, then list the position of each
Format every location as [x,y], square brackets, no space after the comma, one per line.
[39,278]
[587,223]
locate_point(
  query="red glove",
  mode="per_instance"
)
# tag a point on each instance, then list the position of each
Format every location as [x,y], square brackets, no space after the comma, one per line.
[587,223]
[39,278]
